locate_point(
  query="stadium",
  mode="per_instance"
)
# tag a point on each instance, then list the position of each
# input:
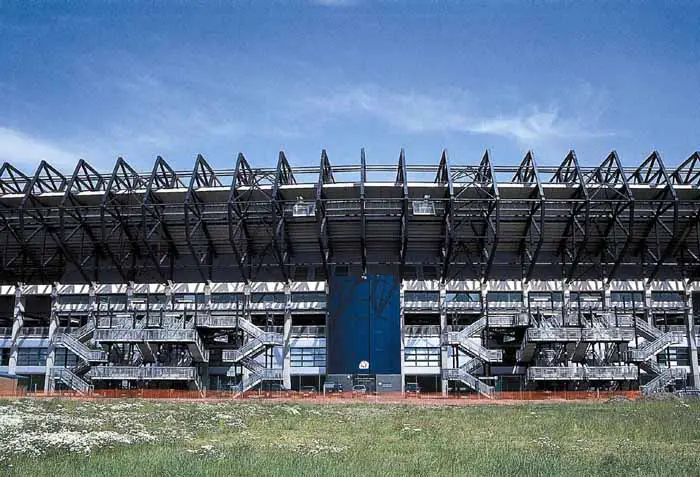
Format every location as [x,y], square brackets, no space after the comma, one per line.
[451,278]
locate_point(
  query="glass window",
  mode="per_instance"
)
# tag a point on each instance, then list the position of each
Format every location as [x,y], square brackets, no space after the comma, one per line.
[463,297]
[308,297]
[421,296]
[74,299]
[584,299]
[5,357]
[189,298]
[226,298]
[628,298]
[308,357]
[31,357]
[268,298]
[111,299]
[668,297]
[504,297]
[420,357]
[150,299]
[679,356]
[545,299]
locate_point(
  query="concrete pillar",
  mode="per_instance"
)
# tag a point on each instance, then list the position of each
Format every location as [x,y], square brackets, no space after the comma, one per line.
[692,340]
[245,372]
[444,348]
[402,349]
[17,324]
[287,340]
[647,303]
[49,384]
[92,304]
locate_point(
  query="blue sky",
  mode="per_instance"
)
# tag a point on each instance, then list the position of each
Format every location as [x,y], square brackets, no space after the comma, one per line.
[102,79]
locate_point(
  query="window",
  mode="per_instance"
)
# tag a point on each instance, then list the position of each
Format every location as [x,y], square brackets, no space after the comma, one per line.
[680,356]
[226,298]
[586,299]
[421,296]
[149,299]
[63,357]
[31,357]
[189,298]
[308,357]
[628,299]
[545,300]
[5,357]
[463,297]
[668,297]
[307,297]
[269,298]
[504,297]
[111,299]
[420,357]
[74,299]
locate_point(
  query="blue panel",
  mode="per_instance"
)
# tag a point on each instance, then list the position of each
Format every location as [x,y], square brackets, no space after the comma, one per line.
[364,325]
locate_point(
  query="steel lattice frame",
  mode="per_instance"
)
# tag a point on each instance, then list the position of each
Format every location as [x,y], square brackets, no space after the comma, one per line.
[485,221]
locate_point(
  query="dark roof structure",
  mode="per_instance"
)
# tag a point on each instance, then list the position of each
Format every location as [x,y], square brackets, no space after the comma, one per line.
[447,221]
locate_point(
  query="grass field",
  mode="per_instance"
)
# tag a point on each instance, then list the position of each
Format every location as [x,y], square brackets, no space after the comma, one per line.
[131,438]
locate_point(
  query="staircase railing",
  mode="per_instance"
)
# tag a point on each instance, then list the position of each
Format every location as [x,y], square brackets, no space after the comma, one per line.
[471,381]
[80,348]
[70,379]
[473,329]
[663,379]
[84,331]
[253,344]
[651,348]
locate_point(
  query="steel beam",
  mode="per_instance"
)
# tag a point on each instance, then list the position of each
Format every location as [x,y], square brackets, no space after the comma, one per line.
[157,239]
[653,172]
[117,218]
[199,240]
[363,219]
[533,234]
[402,180]
[444,177]
[325,176]
[569,172]
[241,189]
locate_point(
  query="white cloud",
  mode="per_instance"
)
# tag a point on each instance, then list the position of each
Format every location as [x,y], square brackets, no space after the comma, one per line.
[21,149]
[455,111]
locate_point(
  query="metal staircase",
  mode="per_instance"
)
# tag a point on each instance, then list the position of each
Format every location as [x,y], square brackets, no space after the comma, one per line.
[663,379]
[459,374]
[253,347]
[652,348]
[187,336]
[79,348]
[71,379]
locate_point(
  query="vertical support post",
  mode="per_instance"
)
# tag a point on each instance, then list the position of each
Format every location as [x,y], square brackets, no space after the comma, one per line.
[692,339]
[93,305]
[444,347]
[245,372]
[566,304]
[647,303]
[402,349]
[17,324]
[49,384]
[287,340]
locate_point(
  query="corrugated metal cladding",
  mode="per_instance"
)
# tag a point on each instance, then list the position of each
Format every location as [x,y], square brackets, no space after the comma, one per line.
[364,325]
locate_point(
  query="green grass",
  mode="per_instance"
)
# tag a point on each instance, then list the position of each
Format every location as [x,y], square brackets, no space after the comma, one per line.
[642,438]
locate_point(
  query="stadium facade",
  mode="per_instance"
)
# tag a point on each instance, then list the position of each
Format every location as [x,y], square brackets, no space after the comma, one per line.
[456,277]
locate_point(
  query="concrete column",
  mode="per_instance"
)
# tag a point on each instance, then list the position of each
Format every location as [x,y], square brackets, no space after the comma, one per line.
[647,303]
[92,304]
[444,348]
[692,340]
[245,372]
[17,324]
[49,384]
[287,341]
[402,349]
